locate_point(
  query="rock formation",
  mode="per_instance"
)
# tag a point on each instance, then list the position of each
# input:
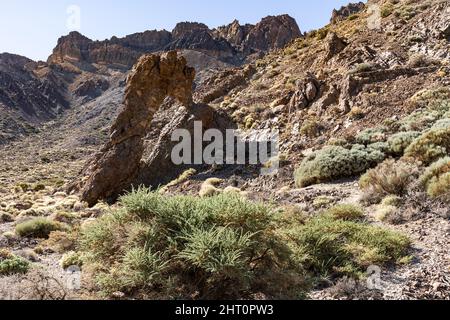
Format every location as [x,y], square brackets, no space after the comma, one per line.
[151,81]
[333,45]
[272,32]
[231,44]
[346,11]
[307,91]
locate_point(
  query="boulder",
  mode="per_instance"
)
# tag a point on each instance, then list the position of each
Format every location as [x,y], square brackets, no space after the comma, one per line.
[308,90]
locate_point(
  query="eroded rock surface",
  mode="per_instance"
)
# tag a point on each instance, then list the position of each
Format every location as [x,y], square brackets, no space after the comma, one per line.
[151,81]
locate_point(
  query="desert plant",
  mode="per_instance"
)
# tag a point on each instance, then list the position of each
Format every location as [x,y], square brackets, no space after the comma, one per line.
[346,212]
[400,141]
[439,187]
[371,135]
[435,170]
[37,228]
[218,246]
[388,178]
[11,264]
[430,146]
[334,162]
[311,128]
[331,246]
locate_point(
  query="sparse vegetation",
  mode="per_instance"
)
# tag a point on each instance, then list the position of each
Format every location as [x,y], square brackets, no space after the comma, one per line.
[311,128]
[331,246]
[225,246]
[220,246]
[11,264]
[346,212]
[436,179]
[430,146]
[37,228]
[388,178]
[334,162]
[399,142]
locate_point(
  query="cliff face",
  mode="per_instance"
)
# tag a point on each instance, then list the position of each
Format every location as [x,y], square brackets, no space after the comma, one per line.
[26,97]
[231,43]
[346,11]
[272,32]
[81,71]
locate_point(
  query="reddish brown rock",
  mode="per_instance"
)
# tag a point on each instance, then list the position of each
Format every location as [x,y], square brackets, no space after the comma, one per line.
[151,81]
[346,11]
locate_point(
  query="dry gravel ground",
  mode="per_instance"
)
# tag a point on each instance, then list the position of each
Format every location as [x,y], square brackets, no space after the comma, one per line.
[427,277]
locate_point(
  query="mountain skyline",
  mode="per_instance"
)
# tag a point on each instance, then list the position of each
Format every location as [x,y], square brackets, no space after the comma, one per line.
[40,25]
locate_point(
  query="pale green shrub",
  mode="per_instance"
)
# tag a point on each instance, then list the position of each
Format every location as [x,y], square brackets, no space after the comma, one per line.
[334,162]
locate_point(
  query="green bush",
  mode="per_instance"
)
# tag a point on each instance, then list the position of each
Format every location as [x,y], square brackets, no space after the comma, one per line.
[436,169]
[37,228]
[334,162]
[311,128]
[346,212]
[388,178]
[11,264]
[400,141]
[331,246]
[370,136]
[436,179]
[430,146]
[180,247]
[439,187]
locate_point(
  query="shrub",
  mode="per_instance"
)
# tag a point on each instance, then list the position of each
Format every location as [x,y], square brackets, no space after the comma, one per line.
[387,213]
[183,247]
[334,162]
[6,217]
[37,228]
[430,146]
[357,113]
[71,259]
[440,187]
[330,246]
[433,99]
[400,141]
[11,264]
[387,10]
[322,202]
[346,212]
[435,170]
[393,201]
[362,67]
[388,178]
[419,60]
[311,128]
[371,135]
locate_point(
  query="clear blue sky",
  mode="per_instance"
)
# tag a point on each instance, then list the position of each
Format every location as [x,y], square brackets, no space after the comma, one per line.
[31,28]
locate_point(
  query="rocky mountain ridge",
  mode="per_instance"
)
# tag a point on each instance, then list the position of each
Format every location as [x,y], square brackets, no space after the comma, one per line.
[81,70]
[232,43]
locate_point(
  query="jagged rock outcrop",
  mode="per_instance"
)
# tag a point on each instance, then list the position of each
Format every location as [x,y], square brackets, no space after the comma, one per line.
[151,81]
[307,91]
[231,44]
[333,45]
[197,36]
[346,11]
[272,33]
[234,33]
[76,48]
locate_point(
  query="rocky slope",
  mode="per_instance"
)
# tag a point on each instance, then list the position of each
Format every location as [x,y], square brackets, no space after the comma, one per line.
[81,70]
